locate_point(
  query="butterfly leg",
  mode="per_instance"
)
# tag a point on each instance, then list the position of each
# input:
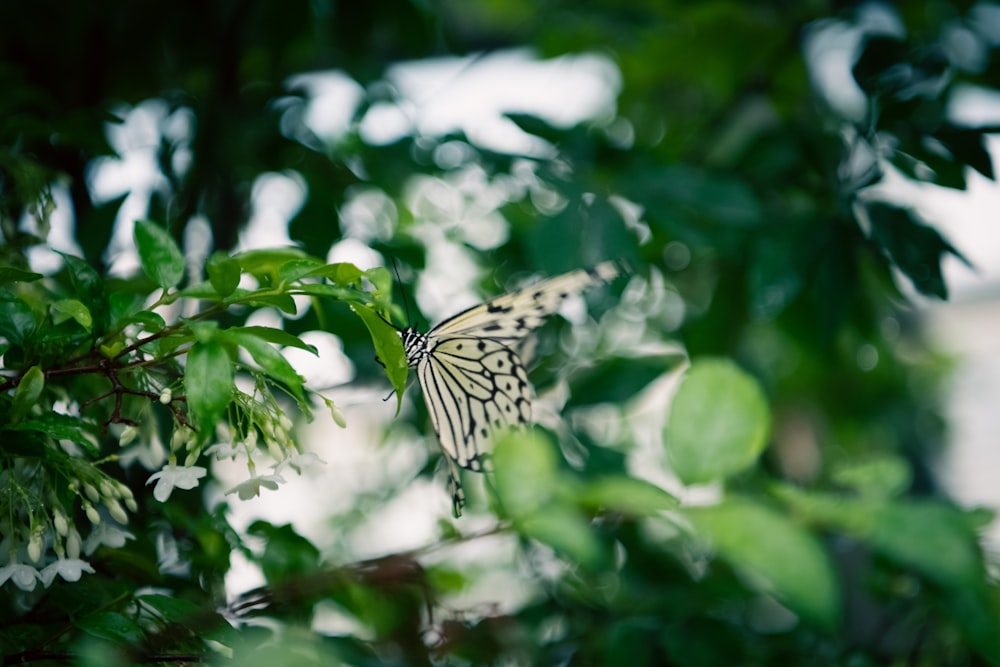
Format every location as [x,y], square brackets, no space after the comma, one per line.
[455,488]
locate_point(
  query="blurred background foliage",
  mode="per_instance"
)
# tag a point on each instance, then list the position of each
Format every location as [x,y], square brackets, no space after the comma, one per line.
[735,175]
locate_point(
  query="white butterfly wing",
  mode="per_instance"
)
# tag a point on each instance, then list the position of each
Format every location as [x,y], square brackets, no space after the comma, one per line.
[511,317]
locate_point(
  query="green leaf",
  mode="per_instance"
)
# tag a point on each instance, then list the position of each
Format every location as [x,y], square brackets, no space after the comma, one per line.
[10,274]
[17,320]
[266,264]
[777,556]
[28,391]
[298,268]
[388,348]
[276,336]
[112,626]
[527,475]
[159,255]
[174,610]
[933,539]
[223,273]
[915,248]
[287,555]
[881,476]
[567,531]
[61,427]
[340,273]
[208,383]
[64,309]
[718,423]
[629,495]
[269,360]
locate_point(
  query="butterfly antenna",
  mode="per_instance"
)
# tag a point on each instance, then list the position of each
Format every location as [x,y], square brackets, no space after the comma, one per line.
[402,292]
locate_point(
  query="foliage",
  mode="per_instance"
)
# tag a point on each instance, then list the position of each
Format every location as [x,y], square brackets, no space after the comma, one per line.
[741,469]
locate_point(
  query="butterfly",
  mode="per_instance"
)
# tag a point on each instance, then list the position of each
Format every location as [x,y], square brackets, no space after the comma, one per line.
[470,370]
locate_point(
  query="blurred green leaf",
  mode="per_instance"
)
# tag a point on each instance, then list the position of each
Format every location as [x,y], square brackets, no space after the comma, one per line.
[915,248]
[10,274]
[159,255]
[880,476]
[718,423]
[779,556]
[112,626]
[287,555]
[626,494]
[17,321]
[208,383]
[526,472]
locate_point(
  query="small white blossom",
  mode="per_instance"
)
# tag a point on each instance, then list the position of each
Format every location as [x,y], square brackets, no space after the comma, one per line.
[166,395]
[298,461]
[24,576]
[92,514]
[251,487]
[226,450]
[73,543]
[181,477]
[70,569]
[35,546]
[92,493]
[115,510]
[103,535]
[59,521]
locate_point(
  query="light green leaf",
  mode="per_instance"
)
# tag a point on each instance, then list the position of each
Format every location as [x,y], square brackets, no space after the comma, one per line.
[567,531]
[223,273]
[880,476]
[269,359]
[777,556]
[159,255]
[276,336]
[388,348]
[526,472]
[340,273]
[932,538]
[626,494]
[64,309]
[208,383]
[718,424]
[28,391]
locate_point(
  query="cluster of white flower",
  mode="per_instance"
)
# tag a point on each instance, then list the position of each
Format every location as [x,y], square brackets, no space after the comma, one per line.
[40,537]
[269,430]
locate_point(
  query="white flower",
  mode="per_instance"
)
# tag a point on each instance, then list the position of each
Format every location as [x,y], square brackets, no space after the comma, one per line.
[298,461]
[103,534]
[226,450]
[69,569]
[182,477]
[24,576]
[251,487]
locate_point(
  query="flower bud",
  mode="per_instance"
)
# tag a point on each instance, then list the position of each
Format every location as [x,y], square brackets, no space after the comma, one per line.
[92,493]
[92,514]
[116,511]
[35,546]
[73,544]
[338,416]
[129,434]
[166,395]
[59,521]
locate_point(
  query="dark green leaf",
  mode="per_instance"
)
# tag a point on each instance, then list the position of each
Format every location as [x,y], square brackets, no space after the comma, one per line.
[159,255]
[17,321]
[10,274]
[112,626]
[61,427]
[287,555]
[174,610]
[28,391]
[917,249]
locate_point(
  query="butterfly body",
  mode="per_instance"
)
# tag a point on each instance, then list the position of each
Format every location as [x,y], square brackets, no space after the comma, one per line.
[472,376]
